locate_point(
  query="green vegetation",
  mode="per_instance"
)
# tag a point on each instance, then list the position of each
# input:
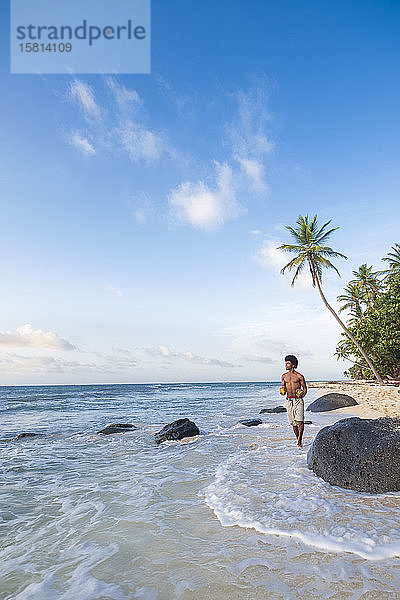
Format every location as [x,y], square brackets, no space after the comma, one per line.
[372,300]
[311,252]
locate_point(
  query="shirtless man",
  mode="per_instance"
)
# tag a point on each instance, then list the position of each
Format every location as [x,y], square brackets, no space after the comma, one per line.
[293,381]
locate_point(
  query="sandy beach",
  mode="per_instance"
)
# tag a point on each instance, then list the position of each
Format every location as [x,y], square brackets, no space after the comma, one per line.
[374,401]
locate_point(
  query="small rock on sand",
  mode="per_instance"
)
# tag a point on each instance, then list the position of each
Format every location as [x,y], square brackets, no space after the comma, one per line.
[331,401]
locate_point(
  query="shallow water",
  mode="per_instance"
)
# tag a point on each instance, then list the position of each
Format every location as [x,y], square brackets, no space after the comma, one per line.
[234,513]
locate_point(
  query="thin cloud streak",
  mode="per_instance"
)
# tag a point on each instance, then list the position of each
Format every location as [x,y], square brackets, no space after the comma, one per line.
[114,290]
[83,95]
[167,353]
[81,143]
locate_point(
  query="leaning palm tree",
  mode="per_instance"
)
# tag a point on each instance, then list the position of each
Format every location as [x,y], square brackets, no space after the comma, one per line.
[311,251]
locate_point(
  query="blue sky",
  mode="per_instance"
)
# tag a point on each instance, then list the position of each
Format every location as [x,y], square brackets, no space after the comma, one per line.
[141,213]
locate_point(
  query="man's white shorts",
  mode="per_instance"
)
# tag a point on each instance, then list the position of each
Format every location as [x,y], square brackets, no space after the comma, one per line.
[295,410]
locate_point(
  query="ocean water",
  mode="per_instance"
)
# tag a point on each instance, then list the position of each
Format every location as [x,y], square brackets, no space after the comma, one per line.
[232,514]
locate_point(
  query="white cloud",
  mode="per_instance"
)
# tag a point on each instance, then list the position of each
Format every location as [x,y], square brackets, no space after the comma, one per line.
[21,365]
[165,352]
[124,97]
[203,206]
[277,336]
[140,143]
[248,136]
[83,94]
[269,257]
[162,351]
[183,103]
[140,215]
[81,143]
[142,207]
[115,290]
[119,127]
[255,172]
[27,336]
[261,359]
[248,128]
[123,351]
[291,327]
[306,330]
[118,362]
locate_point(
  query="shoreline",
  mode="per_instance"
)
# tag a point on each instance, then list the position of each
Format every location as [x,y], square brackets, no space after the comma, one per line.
[373,401]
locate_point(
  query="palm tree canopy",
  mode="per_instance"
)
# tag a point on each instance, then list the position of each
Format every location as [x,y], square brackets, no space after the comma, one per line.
[393,258]
[341,352]
[310,248]
[368,281]
[353,299]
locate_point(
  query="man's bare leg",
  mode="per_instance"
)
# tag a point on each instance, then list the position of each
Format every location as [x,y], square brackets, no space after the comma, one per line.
[300,428]
[296,431]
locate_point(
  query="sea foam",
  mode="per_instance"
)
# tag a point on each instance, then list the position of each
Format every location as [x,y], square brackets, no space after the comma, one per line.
[271,490]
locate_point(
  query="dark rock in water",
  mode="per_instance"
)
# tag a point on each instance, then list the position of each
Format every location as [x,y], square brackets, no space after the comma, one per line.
[123,425]
[251,422]
[331,402]
[177,431]
[360,454]
[25,434]
[117,428]
[277,409]
[307,422]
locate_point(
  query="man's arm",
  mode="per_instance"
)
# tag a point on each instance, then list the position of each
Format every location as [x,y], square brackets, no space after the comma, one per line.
[303,385]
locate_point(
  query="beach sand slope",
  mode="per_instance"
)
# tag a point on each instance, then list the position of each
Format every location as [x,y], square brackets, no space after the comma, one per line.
[374,400]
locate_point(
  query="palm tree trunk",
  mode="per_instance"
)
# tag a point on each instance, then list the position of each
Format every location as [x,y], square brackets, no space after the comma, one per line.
[329,307]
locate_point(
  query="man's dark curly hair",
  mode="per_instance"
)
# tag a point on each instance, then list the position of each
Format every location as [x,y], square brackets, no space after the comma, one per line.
[292,359]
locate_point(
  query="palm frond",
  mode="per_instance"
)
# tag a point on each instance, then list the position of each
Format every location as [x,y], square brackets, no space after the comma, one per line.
[325,251]
[293,263]
[297,273]
[290,248]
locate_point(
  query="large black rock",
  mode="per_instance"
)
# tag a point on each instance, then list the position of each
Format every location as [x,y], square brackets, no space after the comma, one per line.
[360,454]
[177,431]
[277,409]
[331,402]
[251,422]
